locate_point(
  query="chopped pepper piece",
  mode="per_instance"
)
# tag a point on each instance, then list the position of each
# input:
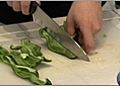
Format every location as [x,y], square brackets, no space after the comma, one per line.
[3,55]
[28,73]
[64,28]
[32,49]
[22,63]
[104,35]
[54,45]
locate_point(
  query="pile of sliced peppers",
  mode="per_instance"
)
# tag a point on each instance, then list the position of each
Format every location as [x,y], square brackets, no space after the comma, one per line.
[23,59]
[54,45]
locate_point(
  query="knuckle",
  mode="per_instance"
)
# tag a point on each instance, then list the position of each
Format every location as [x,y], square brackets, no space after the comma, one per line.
[9,3]
[98,27]
[25,5]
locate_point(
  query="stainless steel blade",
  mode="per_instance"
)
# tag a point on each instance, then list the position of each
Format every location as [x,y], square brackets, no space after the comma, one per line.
[41,18]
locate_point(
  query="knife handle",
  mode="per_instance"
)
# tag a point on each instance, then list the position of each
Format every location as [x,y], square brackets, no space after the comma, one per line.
[33,7]
[118,78]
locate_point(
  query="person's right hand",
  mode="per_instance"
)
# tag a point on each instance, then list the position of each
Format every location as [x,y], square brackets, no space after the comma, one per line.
[22,6]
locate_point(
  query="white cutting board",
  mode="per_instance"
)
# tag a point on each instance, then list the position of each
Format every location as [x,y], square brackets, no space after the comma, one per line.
[101,70]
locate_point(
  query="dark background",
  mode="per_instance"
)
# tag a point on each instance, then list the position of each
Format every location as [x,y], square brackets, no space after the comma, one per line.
[52,8]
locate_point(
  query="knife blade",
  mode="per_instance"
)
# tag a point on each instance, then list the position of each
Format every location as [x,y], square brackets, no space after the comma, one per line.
[43,20]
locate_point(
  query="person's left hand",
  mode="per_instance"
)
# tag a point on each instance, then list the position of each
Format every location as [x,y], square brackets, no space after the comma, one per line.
[85,18]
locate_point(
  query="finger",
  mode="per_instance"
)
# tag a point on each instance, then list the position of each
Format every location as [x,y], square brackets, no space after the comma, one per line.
[97,26]
[80,37]
[16,6]
[88,40]
[70,27]
[9,3]
[80,41]
[25,5]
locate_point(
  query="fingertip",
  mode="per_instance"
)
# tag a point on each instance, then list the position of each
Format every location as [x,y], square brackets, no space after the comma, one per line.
[89,43]
[16,6]
[70,28]
[89,46]
[70,31]
[25,5]
[9,3]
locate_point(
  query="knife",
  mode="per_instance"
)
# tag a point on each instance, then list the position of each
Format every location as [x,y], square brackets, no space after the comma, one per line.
[118,78]
[43,20]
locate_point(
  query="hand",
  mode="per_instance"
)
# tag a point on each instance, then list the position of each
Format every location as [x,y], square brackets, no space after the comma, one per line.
[22,6]
[85,18]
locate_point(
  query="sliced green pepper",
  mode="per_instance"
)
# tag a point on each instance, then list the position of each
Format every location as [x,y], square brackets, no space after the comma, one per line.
[54,45]
[18,59]
[32,49]
[3,55]
[4,59]
[27,47]
[22,63]
[63,26]
[28,73]
[3,51]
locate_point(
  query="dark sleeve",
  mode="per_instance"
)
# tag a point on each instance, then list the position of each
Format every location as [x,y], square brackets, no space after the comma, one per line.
[52,8]
[117,4]
[9,16]
[56,8]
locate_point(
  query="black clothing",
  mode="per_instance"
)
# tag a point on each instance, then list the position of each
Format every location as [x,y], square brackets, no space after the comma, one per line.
[56,8]
[52,8]
[9,16]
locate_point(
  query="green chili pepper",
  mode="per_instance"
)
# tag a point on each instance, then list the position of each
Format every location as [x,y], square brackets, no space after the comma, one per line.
[54,45]
[23,61]
[28,73]
[104,36]
[32,49]
[28,47]
[4,59]
[65,28]
[18,59]
[3,51]
[3,55]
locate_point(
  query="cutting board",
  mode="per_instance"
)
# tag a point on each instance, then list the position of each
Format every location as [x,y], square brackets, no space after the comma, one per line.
[102,69]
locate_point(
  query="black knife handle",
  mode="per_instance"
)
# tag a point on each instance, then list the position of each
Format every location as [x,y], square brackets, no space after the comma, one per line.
[33,7]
